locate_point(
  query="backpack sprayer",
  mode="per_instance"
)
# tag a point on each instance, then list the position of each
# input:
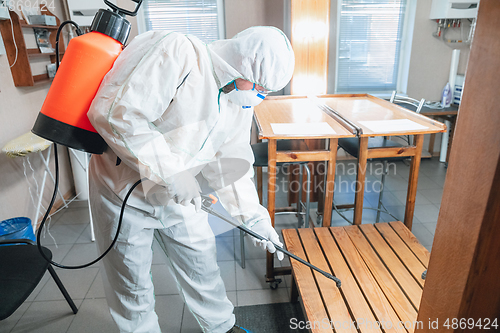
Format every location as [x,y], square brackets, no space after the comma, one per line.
[63,117]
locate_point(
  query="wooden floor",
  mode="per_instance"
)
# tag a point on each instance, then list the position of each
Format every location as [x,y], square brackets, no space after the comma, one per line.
[380,266]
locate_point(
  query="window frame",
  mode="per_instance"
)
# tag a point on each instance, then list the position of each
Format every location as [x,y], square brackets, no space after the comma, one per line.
[141,20]
[405,52]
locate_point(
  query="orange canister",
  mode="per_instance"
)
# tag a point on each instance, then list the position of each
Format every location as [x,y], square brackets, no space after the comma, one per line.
[63,117]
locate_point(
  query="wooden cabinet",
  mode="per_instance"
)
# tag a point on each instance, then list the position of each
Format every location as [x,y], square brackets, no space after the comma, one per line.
[15,45]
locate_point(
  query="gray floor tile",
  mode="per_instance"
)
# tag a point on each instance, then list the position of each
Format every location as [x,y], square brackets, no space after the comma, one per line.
[426,213]
[225,248]
[372,185]
[433,168]
[169,309]
[251,251]
[74,215]
[76,282]
[343,198]
[219,227]
[59,252]
[440,180]
[345,187]
[401,169]
[93,316]
[396,183]
[8,324]
[253,276]
[426,183]
[255,297]
[388,199]
[85,236]
[431,226]
[397,211]
[159,256]
[62,233]
[46,317]
[423,235]
[340,223]
[419,200]
[96,288]
[81,254]
[433,195]
[163,280]
[232,296]
[228,274]
[189,323]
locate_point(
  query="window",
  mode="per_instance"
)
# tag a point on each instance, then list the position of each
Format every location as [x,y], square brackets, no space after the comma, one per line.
[369,45]
[202,18]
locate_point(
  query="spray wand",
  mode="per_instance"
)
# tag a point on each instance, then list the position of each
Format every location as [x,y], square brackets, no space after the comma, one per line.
[207,201]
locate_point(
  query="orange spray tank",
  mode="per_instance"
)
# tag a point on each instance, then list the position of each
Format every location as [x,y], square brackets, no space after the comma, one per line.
[63,117]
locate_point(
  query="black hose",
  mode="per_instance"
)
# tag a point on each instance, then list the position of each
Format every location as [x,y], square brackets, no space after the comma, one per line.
[79,32]
[54,195]
[56,185]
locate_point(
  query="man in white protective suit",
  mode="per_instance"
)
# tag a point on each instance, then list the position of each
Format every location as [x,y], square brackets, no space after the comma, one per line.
[173,109]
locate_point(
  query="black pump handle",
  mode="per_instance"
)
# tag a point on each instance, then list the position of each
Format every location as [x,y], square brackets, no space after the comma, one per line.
[124,11]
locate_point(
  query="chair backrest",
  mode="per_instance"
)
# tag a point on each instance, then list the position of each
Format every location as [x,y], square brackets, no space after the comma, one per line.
[398,98]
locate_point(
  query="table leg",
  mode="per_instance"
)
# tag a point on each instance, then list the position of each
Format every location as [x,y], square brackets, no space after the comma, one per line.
[413,181]
[294,292]
[431,143]
[259,185]
[450,138]
[432,140]
[360,180]
[271,200]
[330,179]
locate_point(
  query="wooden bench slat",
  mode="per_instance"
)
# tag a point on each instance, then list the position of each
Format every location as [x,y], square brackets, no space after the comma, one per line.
[311,298]
[403,252]
[412,242]
[392,291]
[332,298]
[372,291]
[397,269]
[350,289]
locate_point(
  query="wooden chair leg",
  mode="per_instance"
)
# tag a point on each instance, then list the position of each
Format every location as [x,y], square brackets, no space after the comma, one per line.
[294,292]
[259,184]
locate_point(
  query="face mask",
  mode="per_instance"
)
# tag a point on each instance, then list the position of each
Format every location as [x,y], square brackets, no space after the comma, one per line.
[246,98]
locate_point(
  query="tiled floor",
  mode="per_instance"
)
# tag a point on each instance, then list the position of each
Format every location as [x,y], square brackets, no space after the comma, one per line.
[47,311]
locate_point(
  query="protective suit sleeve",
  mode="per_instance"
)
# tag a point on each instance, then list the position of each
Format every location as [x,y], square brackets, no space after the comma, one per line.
[239,199]
[136,92]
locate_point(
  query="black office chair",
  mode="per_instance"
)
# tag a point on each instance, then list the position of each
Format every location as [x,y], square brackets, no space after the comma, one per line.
[351,146]
[21,269]
[415,103]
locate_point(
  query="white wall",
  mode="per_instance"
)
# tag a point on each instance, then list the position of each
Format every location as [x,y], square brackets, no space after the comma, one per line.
[18,110]
[431,57]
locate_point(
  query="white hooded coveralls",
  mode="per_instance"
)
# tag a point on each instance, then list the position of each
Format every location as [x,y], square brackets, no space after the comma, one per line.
[161,112]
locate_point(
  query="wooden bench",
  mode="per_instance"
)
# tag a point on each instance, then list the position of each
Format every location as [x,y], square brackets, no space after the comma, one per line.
[380,266]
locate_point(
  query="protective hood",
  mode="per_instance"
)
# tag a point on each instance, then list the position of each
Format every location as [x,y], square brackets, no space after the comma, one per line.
[262,55]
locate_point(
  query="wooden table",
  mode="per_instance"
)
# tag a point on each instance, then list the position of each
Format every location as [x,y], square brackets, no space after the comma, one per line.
[296,110]
[380,266]
[450,114]
[362,107]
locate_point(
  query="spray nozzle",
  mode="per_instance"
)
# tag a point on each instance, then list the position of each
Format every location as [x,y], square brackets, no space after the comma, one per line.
[123,12]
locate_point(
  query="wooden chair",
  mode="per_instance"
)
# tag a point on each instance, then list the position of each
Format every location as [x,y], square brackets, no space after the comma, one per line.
[351,146]
[260,152]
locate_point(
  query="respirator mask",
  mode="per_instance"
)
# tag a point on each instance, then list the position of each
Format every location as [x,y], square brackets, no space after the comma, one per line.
[246,98]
